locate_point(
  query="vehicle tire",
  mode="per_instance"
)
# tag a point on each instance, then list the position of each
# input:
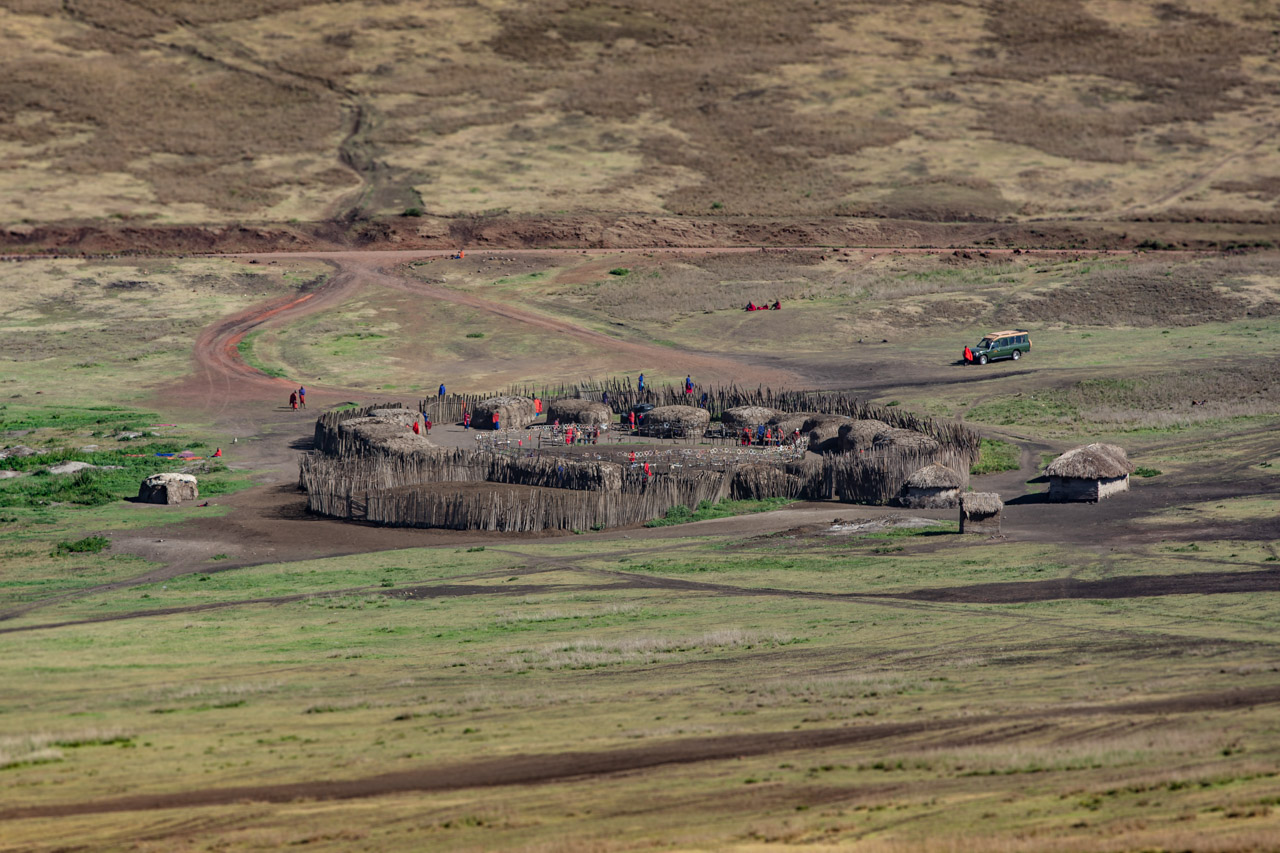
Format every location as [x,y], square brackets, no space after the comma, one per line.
[1017,354]
[982,359]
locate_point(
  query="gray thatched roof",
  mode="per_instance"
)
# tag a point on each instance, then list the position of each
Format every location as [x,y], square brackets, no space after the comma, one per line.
[860,435]
[980,504]
[514,412]
[686,416]
[748,416]
[575,410]
[903,439]
[935,477]
[1091,462]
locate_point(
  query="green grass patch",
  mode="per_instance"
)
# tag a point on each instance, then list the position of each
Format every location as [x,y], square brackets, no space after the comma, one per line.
[87,545]
[245,348]
[619,271]
[1143,471]
[995,455]
[723,509]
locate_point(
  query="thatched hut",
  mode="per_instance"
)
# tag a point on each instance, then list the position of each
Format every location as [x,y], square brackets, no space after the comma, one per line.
[860,435]
[682,420]
[572,410]
[749,417]
[1089,473]
[904,439]
[788,422]
[980,512]
[824,432]
[513,413]
[932,487]
[404,417]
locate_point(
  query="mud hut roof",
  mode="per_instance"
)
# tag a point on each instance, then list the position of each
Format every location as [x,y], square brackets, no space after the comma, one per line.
[981,503]
[902,439]
[748,416]
[1091,462]
[934,477]
[687,416]
[576,410]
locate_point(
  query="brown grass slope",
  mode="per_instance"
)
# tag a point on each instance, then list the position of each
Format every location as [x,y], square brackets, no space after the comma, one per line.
[284,110]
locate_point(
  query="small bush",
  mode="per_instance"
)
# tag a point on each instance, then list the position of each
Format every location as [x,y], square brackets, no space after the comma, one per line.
[619,271]
[412,211]
[475,334]
[1141,471]
[87,545]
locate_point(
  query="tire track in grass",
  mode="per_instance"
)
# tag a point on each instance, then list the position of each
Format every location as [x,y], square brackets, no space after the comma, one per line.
[550,768]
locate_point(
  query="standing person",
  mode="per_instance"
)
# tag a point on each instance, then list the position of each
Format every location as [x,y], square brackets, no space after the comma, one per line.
[497,421]
[416,429]
[466,420]
[302,396]
[703,403]
[604,398]
[293,400]
[428,420]
[688,384]
[537,405]
[640,384]
[632,415]
[441,392]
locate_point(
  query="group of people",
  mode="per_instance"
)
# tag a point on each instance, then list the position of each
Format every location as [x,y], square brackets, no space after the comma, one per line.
[767,436]
[776,306]
[577,434]
[298,398]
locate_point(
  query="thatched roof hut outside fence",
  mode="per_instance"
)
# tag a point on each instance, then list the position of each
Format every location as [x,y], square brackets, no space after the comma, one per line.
[573,410]
[980,512]
[932,487]
[1089,473]
[513,413]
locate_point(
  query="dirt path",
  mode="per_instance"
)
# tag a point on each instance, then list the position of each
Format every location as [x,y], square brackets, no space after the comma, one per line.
[549,768]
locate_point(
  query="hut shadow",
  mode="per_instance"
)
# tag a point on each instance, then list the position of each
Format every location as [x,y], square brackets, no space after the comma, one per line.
[308,443]
[1033,498]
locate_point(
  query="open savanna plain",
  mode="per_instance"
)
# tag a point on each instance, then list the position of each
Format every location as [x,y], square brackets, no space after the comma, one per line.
[247,676]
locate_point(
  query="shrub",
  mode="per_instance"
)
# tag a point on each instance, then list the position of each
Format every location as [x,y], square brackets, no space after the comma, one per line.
[412,211]
[87,545]
[1141,471]
[619,271]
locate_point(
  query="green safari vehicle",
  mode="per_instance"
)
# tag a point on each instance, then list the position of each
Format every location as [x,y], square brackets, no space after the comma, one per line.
[1013,344]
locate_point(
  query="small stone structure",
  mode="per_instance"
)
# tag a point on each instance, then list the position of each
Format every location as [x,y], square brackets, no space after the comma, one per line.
[513,413]
[571,410]
[932,487]
[1089,473]
[980,512]
[168,489]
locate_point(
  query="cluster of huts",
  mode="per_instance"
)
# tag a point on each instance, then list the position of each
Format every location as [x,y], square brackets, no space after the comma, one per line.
[367,465]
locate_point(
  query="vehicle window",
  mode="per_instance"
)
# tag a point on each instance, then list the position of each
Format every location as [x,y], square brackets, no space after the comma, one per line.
[985,343]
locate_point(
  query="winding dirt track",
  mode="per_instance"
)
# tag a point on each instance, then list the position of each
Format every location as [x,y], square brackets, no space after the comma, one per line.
[558,767]
[223,379]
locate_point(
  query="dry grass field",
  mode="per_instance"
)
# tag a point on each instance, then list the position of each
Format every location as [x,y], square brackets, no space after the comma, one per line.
[290,110]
